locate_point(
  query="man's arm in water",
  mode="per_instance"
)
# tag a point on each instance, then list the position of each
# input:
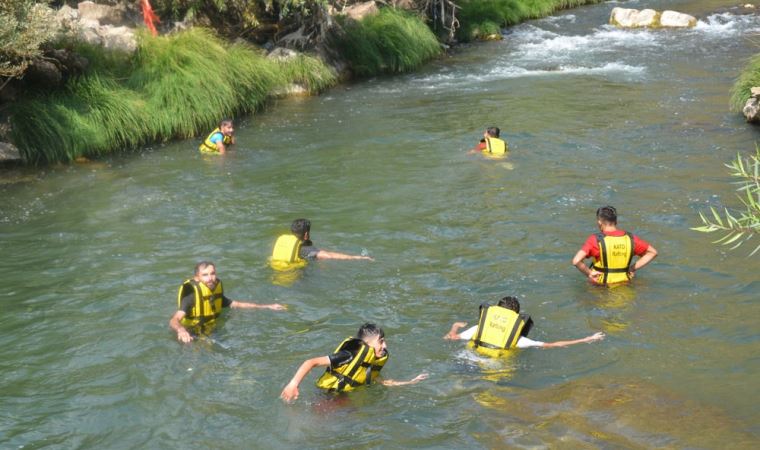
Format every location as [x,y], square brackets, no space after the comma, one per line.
[324,254]
[414,380]
[250,305]
[175,323]
[290,391]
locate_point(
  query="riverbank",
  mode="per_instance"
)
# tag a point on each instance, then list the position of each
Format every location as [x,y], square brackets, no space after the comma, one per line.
[168,89]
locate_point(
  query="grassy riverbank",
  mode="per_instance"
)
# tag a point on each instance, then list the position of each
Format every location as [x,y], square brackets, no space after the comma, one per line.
[175,86]
[179,86]
[481,18]
[748,78]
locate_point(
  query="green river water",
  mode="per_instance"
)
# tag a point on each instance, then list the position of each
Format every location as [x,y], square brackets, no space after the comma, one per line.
[93,254]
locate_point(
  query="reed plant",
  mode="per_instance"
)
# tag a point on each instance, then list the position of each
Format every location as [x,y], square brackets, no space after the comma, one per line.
[91,116]
[175,86]
[309,72]
[478,18]
[748,78]
[391,41]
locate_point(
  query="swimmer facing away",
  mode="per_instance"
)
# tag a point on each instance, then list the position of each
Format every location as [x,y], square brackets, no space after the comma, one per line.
[296,248]
[491,145]
[501,327]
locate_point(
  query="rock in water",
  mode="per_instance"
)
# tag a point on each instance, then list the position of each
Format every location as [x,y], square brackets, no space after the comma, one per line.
[674,19]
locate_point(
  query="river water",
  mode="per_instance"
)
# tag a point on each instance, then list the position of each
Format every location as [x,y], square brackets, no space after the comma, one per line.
[93,254]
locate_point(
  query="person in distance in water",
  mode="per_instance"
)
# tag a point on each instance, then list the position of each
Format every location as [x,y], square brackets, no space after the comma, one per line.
[200,301]
[356,362]
[612,251]
[501,327]
[491,145]
[219,139]
[297,247]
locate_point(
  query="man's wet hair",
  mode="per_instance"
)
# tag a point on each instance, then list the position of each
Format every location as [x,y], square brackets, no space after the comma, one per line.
[607,214]
[225,121]
[369,329]
[202,265]
[493,131]
[300,227]
[510,303]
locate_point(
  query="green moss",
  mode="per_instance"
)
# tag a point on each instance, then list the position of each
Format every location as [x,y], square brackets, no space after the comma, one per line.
[388,42]
[749,77]
[476,18]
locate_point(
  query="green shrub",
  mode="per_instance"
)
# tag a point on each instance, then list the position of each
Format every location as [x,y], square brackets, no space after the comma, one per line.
[388,42]
[309,72]
[476,18]
[24,26]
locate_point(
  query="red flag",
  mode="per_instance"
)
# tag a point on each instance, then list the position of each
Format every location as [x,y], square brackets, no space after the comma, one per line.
[149,16]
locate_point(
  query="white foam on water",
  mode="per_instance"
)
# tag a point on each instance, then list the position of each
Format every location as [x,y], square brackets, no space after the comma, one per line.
[608,68]
[606,39]
[727,25]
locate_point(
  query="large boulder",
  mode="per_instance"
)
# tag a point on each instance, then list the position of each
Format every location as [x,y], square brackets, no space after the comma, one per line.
[751,109]
[633,18]
[674,19]
[359,11]
[105,14]
[649,18]
[9,152]
[118,38]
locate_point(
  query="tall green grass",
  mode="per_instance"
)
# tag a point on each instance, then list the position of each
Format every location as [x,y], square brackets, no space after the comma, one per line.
[748,78]
[388,42]
[480,18]
[175,86]
[309,72]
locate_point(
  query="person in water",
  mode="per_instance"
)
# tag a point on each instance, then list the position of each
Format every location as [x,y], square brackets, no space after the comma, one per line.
[501,327]
[356,362]
[613,252]
[298,248]
[219,139]
[200,301]
[491,144]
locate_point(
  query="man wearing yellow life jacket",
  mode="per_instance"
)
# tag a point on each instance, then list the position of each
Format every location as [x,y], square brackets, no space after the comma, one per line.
[296,248]
[356,362]
[612,251]
[501,327]
[492,145]
[200,301]
[219,139]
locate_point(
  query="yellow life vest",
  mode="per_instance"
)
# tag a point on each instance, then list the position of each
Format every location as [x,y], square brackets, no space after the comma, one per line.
[495,147]
[499,329]
[209,147]
[361,370]
[208,304]
[615,254]
[285,254]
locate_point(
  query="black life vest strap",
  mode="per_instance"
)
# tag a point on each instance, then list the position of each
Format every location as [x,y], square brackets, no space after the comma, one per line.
[349,377]
[608,270]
